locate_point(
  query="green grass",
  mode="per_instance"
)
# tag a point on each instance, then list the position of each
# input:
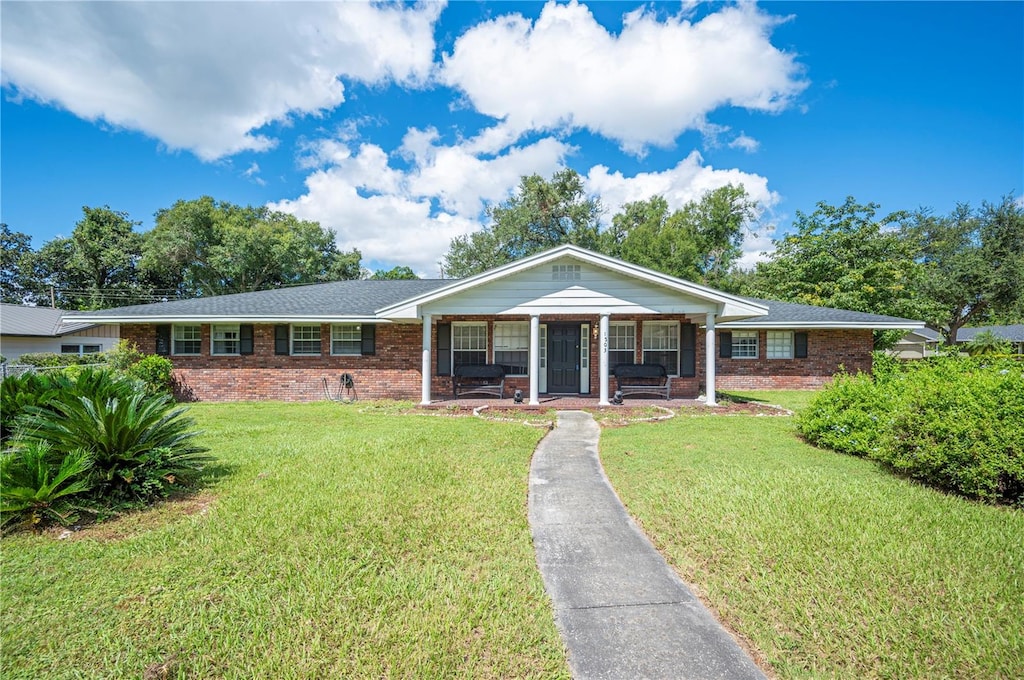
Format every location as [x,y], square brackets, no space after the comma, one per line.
[337,542]
[830,566]
[794,400]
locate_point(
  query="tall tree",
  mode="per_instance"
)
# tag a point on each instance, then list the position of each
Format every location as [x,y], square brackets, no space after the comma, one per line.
[973,262]
[699,242]
[201,247]
[843,257]
[15,285]
[647,234]
[97,266]
[542,214]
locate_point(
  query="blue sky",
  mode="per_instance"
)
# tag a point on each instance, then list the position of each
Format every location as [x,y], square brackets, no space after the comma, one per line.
[396,126]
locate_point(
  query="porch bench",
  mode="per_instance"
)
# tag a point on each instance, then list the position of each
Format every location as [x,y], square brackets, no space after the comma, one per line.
[642,379]
[478,379]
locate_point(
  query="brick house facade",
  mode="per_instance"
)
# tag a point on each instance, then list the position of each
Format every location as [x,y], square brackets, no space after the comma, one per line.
[393,371]
[278,344]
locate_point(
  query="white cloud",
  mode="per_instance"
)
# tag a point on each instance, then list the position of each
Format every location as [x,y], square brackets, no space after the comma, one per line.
[252,173]
[746,143]
[688,181]
[207,76]
[409,217]
[646,85]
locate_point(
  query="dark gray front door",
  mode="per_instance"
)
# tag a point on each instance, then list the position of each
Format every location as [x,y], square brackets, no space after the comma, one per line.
[564,358]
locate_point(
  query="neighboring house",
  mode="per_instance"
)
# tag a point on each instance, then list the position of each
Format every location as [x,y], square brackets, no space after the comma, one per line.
[918,344]
[558,322]
[1012,334]
[24,330]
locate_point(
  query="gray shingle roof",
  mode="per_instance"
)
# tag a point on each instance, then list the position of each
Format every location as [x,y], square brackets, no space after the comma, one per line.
[789,313]
[363,298]
[338,298]
[37,321]
[1014,333]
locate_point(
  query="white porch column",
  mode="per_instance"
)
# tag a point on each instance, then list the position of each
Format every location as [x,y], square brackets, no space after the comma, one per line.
[425,390]
[603,361]
[534,360]
[709,359]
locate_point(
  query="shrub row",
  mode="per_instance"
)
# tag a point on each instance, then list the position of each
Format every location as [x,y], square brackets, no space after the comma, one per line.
[89,441]
[954,422]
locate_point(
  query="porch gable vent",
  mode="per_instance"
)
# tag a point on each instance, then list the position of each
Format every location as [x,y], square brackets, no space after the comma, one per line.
[565,272]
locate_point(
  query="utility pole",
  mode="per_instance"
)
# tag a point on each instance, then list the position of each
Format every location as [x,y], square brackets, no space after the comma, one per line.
[53,298]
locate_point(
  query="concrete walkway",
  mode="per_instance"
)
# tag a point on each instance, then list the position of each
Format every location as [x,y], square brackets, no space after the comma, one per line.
[622,611]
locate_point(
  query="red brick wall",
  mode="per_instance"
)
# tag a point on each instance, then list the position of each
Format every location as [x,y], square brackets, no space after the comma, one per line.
[827,351]
[394,371]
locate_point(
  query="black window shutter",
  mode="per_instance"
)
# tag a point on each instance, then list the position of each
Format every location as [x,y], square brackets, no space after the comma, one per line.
[369,338]
[245,338]
[444,349]
[725,345]
[281,339]
[688,347]
[163,339]
[800,345]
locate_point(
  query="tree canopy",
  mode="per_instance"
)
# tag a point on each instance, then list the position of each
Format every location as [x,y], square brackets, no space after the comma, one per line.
[541,215]
[845,257]
[202,247]
[699,242]
[973,264]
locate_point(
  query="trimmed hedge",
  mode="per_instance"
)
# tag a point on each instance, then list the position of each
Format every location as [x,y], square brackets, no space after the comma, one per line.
[54,360]
[954,422]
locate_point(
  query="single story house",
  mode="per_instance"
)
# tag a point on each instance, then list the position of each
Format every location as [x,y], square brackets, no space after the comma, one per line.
[918,344]
[1013,334]
[24,330]
[558,322]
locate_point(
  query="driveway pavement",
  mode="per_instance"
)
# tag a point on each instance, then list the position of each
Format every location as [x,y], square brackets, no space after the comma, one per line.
[622,611]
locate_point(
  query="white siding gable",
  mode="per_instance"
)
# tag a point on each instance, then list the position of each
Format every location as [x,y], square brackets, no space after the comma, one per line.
[553,288]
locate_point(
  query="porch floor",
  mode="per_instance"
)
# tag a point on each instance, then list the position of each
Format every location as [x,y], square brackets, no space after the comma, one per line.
[559,402]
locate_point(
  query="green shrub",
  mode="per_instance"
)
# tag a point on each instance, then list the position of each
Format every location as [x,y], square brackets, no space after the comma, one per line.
[55,360]
[123,355]
[953,422]
[36,486]
[847,416]
[141,445]
[21,391]
[154,372]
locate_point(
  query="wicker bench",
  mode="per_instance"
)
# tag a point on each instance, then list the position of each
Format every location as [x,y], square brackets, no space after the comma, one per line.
[642,379]
[478,379]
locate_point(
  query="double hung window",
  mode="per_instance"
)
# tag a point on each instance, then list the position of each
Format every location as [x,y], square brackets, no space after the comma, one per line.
[621,344]
[186,340]
[779,345]
[661,344]
[469,344]
[224,339]
[512,347]
[306,339]
[346,338]
[744,344]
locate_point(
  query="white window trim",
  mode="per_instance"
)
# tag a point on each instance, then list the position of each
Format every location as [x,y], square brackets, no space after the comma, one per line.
[213,339]
[632,326]
[757,345]
[81,348]
[493,346]
[174,340]
[358,340]
[487,340]
[673,371]
[768,346]
[291,340]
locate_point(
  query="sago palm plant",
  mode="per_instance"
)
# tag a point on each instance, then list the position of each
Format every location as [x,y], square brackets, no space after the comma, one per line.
[36,485]
[139,443]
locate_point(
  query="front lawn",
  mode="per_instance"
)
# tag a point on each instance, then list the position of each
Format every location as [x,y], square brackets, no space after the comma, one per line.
[830,566]
[337,543]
